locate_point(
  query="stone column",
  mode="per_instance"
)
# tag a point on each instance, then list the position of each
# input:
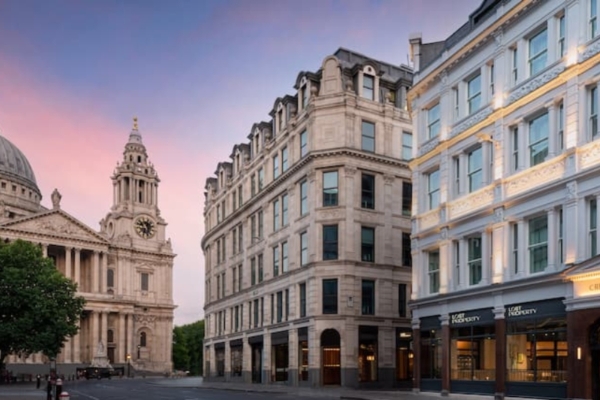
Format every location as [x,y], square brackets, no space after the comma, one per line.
[68,262]
[95,273]
[103,272]
[552,240]
[121,353]
[416,347]
[227,361]
[522,250]
[45,249]
[104,329]
[293,357]
[95,315]
[77,271]
[67,350]
[500,325]
[266,359]
[486,257]
[130,336]
[552,127]
[77,344]
[387,250]
[445,355]
[247,361]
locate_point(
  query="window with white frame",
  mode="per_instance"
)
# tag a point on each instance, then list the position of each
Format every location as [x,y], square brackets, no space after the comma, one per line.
[407,145]
[433,189]
[368,89]
[538,139]
[474,260]
[276,215]
[433,121]
[561,35]
[475,169]
[492,78]
[561,126]
[303,197]
[474,93]
[514,140]
[303,248]
[593,20]
[284,159]
[538,244]
[593,227]
[456,254]
[368,136]
[433,260]
[538,52]
[593,111]
[303,144]
[514,58]
[514,230]
[561,242]
[456,102]
[275,166]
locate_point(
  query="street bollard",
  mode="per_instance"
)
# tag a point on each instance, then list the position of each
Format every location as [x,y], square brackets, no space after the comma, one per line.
[64,396]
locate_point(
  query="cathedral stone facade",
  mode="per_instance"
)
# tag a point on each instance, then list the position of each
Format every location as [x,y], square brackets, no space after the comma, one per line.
[124,270]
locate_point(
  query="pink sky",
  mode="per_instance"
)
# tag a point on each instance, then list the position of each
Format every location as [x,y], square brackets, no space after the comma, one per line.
[196,74]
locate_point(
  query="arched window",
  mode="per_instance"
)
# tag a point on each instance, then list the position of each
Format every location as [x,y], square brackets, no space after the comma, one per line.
[110,336]
[139,159]
[143,339]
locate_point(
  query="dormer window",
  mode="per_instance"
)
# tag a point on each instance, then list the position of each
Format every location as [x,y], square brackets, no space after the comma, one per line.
[368,89]
[303,97]
[280,120]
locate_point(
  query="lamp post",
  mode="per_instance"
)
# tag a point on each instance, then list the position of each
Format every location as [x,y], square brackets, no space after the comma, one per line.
[128,365]
[139,346]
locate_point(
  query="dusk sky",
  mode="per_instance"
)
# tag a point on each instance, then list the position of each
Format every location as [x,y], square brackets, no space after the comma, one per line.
[196,73]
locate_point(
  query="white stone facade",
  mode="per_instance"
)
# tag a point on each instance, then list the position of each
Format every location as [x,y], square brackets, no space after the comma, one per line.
[506,186]
[314,201]
[124,271]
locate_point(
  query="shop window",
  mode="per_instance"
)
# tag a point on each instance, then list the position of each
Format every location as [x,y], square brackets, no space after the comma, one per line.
[220,357]
[367,354]
[473,353]
[237,355]
[303,360]
[431,354]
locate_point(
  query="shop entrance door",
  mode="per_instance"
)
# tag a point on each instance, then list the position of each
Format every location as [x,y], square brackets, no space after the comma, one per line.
[331,358]
[257,363]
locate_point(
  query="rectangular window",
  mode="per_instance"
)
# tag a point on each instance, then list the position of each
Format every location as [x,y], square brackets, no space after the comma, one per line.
[561,126]
[145,281]
[538,139]
[367,244]
[304,96]
[330,296]
[330,242]
[475,260]
[287,304]
[276,260]
[402,300]
[594,111]
[260,268]
[240,239]
[433,121]
[406,146]
[284,159]
[303,198]
[284,210]
[433,189]
[406,250]
[593,244]
[261,221]
[279,307]
[492,78]
[275,166]
[284,257]
[302,300]
[253,271]
[253,184]
[406,198]
[475,172]
[474,94]
[276,215]
[368,91]
[240,275]
[515,65]
[303,248]
[456,245]
[515,247]
[368,136]
[240,197]
[233,201]
[256,313]
[538,244]
[593,18]
[303,144]
[261,179]
[234,236]
[538,52]
[368,191]
[368,297]
[433,259]
[561,249]
[253,231]
[514,137]
[330,188]
[561,36]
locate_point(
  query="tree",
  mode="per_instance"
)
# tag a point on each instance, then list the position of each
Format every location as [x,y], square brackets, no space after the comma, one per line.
[39,307]
[187,347]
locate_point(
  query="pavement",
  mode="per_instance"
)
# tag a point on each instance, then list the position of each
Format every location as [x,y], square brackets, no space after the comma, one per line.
[27,391]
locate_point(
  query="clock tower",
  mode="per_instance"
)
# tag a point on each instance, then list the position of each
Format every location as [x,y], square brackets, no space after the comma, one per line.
[135,213]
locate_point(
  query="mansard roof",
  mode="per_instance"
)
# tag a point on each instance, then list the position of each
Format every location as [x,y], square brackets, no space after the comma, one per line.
[350,60]
[287,99]
[309,75]
[261,126]
[243,148]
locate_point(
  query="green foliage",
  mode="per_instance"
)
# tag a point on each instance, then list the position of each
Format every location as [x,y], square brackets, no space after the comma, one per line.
[187,347]
[39,308]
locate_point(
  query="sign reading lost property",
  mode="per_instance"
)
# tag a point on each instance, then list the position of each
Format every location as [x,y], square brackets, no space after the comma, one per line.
[473,317]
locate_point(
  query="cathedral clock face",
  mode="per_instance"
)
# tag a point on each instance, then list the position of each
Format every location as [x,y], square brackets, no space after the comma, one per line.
[145,227]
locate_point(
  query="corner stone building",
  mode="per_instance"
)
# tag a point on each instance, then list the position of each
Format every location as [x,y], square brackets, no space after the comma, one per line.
[124,271]
[307,241]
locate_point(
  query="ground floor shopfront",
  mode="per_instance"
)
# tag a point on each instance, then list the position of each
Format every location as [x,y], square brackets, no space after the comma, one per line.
[351,356]
[543,342]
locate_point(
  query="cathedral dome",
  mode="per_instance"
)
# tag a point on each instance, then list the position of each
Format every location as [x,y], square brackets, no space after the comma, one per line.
[14,166]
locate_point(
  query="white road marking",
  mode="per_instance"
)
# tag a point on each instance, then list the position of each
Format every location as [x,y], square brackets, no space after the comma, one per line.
[85,395]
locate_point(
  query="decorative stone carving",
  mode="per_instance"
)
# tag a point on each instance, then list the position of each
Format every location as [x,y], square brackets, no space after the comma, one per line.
[535,83]
[428,146]
[444,233]
[349,171]
[56,196]
[571,190]
[430,219]
[590,155]
[591,51]
[498,215]
[471,202]
[349,85]
[388,179]
[414,243]
[535,178]
[498,36]
[471,121]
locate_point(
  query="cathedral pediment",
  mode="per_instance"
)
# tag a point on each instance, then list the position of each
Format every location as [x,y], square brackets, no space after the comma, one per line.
[54,223]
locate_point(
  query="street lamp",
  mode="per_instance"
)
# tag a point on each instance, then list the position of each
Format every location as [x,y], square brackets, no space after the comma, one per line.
[139,346]
[128,365]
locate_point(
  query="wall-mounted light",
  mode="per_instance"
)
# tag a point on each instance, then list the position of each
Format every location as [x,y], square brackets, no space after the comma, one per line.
[579,353]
